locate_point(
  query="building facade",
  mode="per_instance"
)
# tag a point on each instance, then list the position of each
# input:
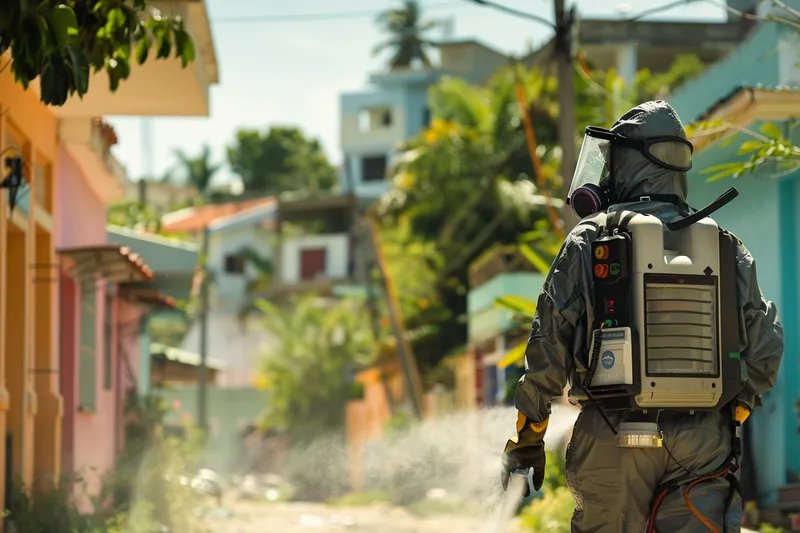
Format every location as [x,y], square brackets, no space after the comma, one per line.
[753,85]
[393,108]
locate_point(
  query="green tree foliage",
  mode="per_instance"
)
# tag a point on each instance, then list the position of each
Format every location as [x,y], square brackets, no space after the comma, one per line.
[770,150]
[308,373]
[414,265]
[465,183]
[551,514]
[651,86]
[61,42]
[198,170]
[280,159]
[407,41]
[132,214]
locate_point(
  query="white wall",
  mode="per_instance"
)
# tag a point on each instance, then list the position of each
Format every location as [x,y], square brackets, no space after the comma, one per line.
[229,289]
[336,255]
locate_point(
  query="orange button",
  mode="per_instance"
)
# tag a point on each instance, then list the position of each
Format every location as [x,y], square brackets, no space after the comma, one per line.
[601,270]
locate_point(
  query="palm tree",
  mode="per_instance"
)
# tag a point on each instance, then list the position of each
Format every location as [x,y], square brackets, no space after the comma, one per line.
[407,36]
[199,171]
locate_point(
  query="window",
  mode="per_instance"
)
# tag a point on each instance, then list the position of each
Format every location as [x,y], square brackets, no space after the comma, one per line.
[373,168]
[363,121]
[374,118]
[234,264]
[386,118]
[87,364]
[108,330]
[426,117]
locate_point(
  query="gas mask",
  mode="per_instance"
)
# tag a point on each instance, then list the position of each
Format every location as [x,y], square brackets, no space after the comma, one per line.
[593,184]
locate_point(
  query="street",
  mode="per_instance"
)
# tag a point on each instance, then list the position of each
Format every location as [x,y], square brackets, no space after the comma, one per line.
[259,517]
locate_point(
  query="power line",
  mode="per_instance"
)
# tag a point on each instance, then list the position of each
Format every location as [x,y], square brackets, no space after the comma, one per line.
[658,9]
[335,15]
[515,12]
[638,16]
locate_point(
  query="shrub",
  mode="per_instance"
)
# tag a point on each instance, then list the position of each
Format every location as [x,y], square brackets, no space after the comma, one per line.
[550,514]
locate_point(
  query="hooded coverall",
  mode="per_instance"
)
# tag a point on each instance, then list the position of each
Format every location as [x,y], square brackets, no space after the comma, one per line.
[614,487]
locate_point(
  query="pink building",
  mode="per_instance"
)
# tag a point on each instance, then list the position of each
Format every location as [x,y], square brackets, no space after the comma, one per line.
[101,307]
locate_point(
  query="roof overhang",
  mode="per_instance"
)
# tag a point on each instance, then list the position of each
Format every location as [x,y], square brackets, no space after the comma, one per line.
[183,357]
[159,87]
[743,107]
[106,261]
[146,296]
[296,207]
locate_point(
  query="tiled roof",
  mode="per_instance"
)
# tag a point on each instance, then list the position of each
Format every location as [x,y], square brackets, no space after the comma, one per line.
[197,218]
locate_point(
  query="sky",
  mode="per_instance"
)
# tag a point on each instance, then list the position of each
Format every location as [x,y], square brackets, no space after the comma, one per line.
[278,66]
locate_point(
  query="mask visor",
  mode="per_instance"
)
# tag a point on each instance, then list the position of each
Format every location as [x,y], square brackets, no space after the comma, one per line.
[591,167]
[670,154]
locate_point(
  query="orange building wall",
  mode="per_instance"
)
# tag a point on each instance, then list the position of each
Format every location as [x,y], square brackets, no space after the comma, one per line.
[29,399]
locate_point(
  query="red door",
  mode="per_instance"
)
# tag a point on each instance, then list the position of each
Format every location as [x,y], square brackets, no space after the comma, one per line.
[312,263]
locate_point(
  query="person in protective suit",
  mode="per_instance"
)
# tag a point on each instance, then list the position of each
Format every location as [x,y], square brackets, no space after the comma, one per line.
[614,487]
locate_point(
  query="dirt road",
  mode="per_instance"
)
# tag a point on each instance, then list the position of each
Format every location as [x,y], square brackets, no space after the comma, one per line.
[247,517]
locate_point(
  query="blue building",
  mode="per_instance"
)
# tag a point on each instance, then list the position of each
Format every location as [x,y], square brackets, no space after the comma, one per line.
[751,86]
[394,107]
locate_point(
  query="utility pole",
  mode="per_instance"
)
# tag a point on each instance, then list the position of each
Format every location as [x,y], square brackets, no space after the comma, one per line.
[202,371]
[565,21]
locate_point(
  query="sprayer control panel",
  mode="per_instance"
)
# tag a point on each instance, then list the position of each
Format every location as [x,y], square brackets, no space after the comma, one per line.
[612,285]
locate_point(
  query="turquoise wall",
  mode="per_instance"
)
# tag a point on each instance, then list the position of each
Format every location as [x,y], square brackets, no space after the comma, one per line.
[486,320]
[525,284]
[763,217]
[755,62]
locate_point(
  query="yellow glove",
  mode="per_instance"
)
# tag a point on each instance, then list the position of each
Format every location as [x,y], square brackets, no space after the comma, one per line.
[741,414]
[528,433]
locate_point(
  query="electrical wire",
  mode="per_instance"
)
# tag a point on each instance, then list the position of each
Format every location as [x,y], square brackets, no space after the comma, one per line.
[769,17]
[658,9]
[514,12]
[334,15]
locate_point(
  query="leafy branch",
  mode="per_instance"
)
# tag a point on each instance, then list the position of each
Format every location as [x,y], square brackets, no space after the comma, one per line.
[768,146]
[63,42]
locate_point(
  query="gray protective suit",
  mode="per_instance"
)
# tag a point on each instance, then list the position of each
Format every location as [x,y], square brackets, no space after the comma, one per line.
[613,487]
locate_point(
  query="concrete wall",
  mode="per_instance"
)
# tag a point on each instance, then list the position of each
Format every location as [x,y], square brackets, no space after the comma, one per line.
[230,410]
[239,345]
[81,212]
[229,289]
[366,419]
[474,62]
[336,255]
[754,62]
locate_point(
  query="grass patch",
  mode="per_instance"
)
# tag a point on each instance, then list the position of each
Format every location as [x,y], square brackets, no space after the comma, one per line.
[356,499]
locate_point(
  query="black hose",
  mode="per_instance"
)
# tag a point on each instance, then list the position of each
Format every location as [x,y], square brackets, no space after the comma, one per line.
[594,358]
